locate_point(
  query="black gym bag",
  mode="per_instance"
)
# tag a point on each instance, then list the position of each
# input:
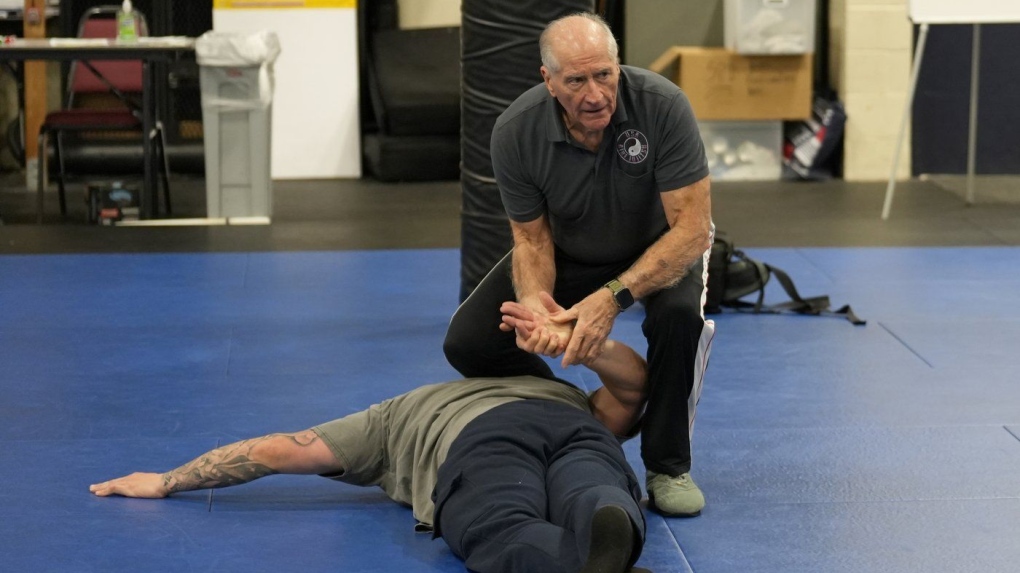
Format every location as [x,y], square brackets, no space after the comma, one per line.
[733,275]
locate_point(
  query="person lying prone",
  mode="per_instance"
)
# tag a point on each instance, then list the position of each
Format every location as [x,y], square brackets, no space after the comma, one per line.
[515,474]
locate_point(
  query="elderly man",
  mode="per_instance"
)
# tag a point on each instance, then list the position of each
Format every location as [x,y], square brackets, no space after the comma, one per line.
[603,175]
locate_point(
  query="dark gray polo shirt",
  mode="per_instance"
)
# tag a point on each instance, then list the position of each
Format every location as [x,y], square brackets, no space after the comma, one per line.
[603,207]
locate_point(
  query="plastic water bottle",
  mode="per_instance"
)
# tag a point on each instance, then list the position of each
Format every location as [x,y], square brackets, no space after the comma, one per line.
[127,26]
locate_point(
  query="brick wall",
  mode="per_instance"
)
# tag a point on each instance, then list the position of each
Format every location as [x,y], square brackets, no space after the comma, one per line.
[870,56]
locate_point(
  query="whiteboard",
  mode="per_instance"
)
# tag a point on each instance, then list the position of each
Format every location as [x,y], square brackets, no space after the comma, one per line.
[964,11]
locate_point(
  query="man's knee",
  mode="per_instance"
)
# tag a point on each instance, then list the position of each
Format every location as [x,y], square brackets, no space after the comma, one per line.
[457,348]
[457,355]
[675,312]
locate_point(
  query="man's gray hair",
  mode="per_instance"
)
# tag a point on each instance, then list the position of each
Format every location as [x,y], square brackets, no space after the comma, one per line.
[545,43]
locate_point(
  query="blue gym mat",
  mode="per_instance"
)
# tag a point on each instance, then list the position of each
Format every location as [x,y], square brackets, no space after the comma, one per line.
[821,446]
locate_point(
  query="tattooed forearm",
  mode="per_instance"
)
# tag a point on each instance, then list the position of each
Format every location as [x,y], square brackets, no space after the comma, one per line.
[233,464]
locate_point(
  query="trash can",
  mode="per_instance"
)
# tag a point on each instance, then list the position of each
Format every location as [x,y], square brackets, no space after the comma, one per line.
[236,76]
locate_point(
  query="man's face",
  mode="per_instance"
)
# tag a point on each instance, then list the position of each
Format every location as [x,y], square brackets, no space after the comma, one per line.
[585,85]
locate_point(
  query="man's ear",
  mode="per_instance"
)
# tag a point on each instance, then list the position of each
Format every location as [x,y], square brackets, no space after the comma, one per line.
[547,78]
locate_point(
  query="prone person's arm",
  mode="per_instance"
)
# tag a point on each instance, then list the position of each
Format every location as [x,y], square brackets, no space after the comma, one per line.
[233,464]
[618,405]
[623,372]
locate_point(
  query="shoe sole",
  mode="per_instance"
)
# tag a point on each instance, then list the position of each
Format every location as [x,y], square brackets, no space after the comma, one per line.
[612,541]
[660,511]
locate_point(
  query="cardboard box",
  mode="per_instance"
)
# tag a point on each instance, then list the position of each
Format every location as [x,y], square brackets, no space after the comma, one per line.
[725,85]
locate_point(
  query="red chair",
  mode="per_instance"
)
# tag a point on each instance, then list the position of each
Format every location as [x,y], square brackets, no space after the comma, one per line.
[101,97]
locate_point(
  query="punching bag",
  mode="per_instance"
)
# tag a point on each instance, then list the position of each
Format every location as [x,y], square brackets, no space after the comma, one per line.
[499,61]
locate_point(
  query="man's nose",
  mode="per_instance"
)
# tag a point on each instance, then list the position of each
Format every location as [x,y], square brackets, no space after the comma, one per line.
[592,93]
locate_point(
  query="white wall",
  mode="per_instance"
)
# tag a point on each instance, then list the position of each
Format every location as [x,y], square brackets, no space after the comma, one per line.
[316,132]
[429,13]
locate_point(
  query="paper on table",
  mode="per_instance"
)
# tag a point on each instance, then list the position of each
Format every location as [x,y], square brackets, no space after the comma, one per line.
[83,42]
[167,40]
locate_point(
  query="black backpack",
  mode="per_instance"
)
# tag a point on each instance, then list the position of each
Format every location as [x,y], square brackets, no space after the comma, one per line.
[733,275]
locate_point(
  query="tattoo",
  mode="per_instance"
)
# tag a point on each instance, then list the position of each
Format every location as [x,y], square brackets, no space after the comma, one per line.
[229,465]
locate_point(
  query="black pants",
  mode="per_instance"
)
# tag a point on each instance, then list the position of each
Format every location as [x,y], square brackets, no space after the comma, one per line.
[677,354]
[521,483]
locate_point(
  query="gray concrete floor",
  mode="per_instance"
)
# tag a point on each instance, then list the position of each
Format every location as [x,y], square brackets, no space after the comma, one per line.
[366,214]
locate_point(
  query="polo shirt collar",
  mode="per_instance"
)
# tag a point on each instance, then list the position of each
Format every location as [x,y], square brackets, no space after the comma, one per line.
[620,114]
[555,130]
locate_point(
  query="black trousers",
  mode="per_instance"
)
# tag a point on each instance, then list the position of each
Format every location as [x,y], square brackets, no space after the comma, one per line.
[674,326]
[521,483]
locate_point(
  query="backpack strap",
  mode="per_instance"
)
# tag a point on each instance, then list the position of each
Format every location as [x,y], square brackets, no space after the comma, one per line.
[743,276]
[797,303]
[816,306]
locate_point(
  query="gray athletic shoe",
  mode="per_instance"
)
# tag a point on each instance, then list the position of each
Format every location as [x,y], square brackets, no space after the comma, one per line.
[674,496]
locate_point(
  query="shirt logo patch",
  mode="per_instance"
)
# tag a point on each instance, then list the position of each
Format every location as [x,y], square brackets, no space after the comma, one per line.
[632,145]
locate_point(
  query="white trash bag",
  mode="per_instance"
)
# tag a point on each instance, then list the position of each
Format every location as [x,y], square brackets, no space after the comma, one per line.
[237,69]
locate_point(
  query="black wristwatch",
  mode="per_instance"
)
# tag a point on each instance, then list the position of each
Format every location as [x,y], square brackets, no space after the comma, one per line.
[621,294]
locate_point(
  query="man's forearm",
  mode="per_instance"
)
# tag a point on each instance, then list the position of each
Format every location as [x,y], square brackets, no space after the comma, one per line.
[226,466]
[667,261]
[534,270]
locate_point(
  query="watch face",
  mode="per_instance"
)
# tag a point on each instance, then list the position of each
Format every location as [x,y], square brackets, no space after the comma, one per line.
[624,298]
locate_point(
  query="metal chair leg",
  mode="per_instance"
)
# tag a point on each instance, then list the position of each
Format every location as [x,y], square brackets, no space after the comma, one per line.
[59,157]
[166,167]
[40,184]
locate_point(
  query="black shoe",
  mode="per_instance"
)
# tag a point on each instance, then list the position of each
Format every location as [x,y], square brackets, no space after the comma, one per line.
[612,541]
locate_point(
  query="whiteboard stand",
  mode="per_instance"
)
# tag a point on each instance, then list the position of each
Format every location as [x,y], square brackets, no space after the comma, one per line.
[975,55]
[972,131]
